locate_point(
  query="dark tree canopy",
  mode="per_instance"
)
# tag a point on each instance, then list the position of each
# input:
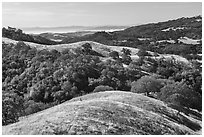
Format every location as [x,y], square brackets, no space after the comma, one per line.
[114,54]
[87,47]
[182,95]
[146,84]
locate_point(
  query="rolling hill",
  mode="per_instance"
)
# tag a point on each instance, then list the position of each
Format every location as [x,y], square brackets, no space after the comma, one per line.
[172,29]
[107,113]
[18,34]
[100,48]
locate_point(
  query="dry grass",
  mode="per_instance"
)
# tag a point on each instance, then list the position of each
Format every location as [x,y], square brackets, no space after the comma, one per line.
[111,112]
[98,47]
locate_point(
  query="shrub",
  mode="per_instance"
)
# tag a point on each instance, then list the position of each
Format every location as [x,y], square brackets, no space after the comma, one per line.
[102,88]
[11,107]
[37,92]
[182,95]
[33,107]
[126,59]
[146,84]
[87,47]
[142,53]
[126,51]
[114,54]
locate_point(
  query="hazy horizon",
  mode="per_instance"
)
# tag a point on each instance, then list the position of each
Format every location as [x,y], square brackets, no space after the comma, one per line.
[62,14]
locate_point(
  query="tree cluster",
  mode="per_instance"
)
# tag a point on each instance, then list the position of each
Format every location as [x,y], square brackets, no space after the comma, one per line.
[43,78]
[33,80]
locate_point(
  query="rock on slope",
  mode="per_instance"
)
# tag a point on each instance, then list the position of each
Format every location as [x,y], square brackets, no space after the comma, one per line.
[110,112]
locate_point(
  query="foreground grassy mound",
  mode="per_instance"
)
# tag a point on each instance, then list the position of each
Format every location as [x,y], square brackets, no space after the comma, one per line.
[110,112]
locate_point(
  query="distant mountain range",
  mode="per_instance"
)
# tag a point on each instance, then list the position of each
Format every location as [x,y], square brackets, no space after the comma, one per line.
[152,32]
[66,29]
[153,36]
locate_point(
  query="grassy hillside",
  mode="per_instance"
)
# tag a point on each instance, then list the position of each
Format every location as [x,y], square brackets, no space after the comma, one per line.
[172,29]
[110,112]
[61,36]
[98,47]
[181,36]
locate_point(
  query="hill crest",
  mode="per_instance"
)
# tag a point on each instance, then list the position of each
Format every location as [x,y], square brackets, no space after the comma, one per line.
[110,112]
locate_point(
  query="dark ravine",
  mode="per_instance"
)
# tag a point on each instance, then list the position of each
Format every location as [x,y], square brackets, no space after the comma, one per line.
[110,112]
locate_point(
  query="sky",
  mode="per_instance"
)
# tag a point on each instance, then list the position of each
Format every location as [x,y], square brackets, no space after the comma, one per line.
[47,14]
